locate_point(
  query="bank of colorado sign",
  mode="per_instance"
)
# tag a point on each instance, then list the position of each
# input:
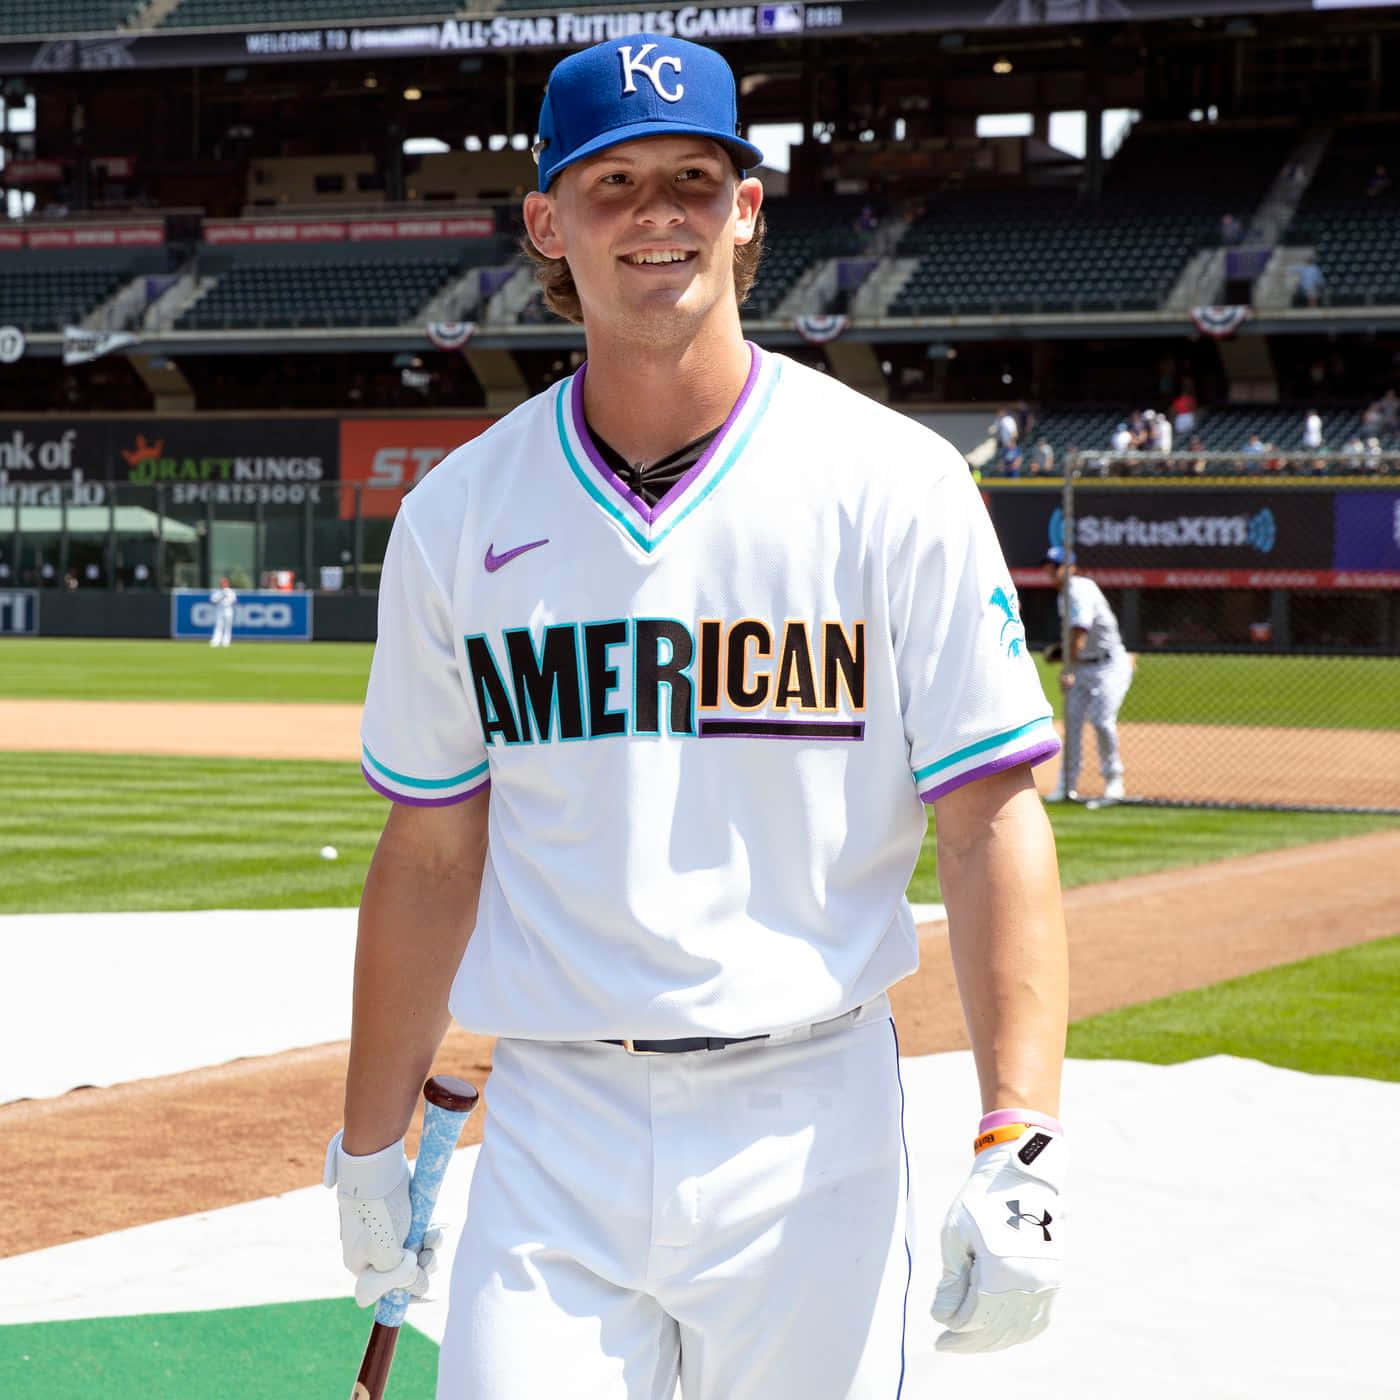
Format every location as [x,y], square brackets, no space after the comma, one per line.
[259,615]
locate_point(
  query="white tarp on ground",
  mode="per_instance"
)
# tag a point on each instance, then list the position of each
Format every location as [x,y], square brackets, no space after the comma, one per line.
[1231,1237]
[106,998]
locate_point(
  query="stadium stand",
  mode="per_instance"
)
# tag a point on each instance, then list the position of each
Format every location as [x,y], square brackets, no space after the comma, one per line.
[1349,215]
[1226,428]
[373,284]
[1045,250]
[801,233]
[44,291]
[50,17]
[190,13]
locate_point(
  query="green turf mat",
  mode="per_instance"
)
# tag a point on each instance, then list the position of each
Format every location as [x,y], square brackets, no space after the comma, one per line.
[1333,1014]
[116,669]
[1328,692]
[297,1351]
[94,832]
[1115,842]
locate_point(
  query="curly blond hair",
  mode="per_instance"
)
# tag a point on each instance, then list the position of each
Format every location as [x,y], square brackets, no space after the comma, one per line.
[556,279]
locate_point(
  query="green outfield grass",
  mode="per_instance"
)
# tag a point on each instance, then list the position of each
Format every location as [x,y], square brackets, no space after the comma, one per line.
[1115,842]
[290,1352]
[1314,692]
[91,832]
[114,831]
[1344,692]
[45,668]
[1333,1014]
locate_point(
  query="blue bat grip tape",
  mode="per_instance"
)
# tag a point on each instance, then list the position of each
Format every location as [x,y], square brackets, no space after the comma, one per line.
[441,1129]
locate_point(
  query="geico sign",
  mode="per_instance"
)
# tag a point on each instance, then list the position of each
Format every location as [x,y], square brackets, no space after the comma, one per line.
[245,615]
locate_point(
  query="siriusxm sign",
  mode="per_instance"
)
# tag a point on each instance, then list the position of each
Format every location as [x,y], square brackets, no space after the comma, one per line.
[257,616]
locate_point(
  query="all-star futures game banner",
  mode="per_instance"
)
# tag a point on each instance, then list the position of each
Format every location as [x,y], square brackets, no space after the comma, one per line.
[563,28]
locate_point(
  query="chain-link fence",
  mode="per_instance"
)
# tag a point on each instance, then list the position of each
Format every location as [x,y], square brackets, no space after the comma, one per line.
[1258,602]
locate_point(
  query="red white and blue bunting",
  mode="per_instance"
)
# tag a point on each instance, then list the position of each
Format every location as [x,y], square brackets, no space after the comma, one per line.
[818,330]
[451,335]
[1219,322]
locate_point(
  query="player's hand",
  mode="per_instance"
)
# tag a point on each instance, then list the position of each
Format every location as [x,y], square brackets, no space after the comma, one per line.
[1066,679]
[374,1220]
[1003,1246]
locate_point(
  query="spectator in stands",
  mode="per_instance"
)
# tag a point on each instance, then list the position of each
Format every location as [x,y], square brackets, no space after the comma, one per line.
[1379,182]
[1390,412]
[1139,431]
[1355,449]
[1197,449]
[1161,430]
[1373,419]
[1011,461]
[1184,409]
[1312,430]
[1231,230]
[1310,282]
[1122,439]
[1255,449]
[1006,430]
[1043,458]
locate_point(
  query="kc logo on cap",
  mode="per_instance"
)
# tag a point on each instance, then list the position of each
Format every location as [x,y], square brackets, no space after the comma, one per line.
[639,86]
[632,66]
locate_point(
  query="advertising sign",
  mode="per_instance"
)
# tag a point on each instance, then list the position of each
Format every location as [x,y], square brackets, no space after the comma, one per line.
[263,616]
[19,612]
[1367,530]
[263,231]
[392,455]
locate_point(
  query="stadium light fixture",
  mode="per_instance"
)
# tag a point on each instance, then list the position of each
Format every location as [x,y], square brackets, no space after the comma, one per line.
[371,81]
[412,94]
[1002,65]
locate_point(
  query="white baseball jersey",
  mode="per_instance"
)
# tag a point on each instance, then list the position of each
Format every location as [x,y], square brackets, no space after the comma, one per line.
[224,599]
[706,724]
[1089,609]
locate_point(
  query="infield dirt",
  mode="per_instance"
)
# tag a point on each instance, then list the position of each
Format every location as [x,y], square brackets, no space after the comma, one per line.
[158,1148]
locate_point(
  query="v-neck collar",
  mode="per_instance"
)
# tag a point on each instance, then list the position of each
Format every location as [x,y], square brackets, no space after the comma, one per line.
[647,525]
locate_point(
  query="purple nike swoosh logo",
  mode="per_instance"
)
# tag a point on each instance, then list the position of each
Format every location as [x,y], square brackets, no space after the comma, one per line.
[495,561]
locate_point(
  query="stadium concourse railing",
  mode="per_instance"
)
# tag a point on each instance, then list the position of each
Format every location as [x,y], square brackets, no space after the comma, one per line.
[325,535]
[1259,596]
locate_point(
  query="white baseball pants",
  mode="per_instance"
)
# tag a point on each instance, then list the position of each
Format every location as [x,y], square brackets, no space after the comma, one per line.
[223,628]
[1096,695]
[735,1220]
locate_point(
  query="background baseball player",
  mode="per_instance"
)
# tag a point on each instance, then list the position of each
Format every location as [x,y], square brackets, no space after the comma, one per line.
[667,660]
[225,600]
[1095,677]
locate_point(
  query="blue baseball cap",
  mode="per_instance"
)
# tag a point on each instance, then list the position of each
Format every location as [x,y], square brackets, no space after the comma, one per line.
[1056,555]
[640,85]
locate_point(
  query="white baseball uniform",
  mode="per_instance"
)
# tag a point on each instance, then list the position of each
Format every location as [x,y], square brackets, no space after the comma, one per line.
[1102,676]
[707,726]
[224,600]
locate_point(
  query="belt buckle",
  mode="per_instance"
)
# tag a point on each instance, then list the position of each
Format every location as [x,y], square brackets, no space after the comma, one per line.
[631,1047]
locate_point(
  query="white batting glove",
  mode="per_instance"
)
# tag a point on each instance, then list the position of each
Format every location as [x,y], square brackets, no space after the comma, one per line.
[1003,1248]
[374,1219]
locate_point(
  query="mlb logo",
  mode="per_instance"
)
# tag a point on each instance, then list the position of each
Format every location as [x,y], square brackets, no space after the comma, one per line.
[780,19]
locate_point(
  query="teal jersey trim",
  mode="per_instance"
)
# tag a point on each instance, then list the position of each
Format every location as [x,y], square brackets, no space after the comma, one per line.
[434,783]
[588,480]
[981,746]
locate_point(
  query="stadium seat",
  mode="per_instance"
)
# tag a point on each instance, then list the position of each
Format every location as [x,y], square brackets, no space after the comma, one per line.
[229,12]
[51,17]
[35,297]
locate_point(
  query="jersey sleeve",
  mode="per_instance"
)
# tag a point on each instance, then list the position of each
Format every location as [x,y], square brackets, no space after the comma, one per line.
[1081,607]
[969,691]
[421,736]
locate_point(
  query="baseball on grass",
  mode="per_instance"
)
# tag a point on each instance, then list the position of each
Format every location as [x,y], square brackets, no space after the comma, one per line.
[329,853]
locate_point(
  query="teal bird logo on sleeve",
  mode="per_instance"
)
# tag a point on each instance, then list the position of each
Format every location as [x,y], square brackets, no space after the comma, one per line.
[1006,603]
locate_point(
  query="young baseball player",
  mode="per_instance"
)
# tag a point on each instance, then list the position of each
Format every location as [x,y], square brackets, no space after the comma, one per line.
[1095,677]
[225,600]
[671,661]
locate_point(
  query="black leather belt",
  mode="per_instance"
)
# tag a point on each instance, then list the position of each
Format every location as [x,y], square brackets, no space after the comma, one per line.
[682,1046]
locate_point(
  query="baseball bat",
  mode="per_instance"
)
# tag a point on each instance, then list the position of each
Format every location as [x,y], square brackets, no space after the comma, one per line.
[449,1101]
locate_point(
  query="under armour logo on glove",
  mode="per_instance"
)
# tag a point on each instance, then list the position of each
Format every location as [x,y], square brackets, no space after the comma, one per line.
[1018,1215]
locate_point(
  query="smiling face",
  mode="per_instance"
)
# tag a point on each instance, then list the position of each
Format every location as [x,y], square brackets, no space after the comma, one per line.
[649,229]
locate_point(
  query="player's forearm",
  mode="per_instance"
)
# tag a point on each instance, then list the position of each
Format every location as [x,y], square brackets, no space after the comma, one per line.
[416,915]
[1006,930]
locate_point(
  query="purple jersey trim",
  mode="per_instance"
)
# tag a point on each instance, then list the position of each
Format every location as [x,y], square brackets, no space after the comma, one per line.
[1038,753]
[421,801]
[653,513]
